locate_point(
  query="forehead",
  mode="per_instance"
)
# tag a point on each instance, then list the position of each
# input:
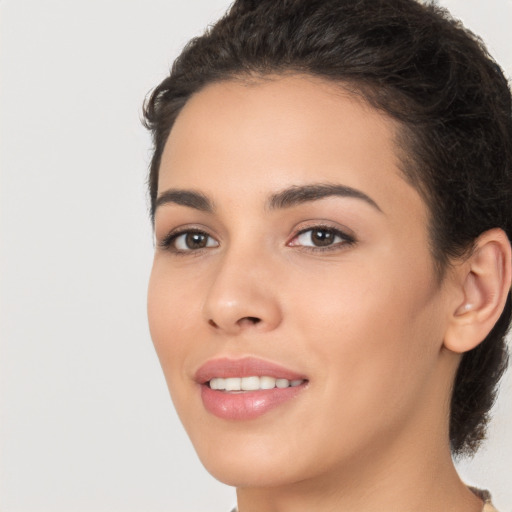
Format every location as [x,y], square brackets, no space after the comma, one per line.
[268,134]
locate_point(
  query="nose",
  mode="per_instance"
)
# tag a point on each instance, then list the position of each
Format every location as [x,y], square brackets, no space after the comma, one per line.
[242,296]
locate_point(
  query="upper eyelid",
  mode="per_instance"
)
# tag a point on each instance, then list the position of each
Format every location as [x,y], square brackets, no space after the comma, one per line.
[336,232]
[187,228]
[324,224]
[168,239]
[319,227]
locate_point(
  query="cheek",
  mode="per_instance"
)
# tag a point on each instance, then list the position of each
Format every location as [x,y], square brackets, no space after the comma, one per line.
[374,333]
[173,323]
[171,315]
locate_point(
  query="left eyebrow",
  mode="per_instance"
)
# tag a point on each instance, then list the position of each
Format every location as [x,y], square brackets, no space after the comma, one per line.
[296,195]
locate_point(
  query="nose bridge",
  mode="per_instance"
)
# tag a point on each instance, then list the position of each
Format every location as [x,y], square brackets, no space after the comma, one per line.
[242,293]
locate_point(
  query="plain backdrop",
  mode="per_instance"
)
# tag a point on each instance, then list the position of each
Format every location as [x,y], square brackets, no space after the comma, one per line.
[86,423]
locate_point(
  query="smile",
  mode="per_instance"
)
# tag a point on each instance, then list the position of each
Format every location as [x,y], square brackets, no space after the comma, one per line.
[247,388]
[252,383]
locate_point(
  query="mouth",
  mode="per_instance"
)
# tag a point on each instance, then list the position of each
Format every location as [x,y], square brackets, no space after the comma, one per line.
[252,383]
[245,389]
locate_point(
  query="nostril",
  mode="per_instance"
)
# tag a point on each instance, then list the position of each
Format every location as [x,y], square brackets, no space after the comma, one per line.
[250,319]
[241,322]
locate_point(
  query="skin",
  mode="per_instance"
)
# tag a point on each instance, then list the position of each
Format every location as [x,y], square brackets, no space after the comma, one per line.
[365,320]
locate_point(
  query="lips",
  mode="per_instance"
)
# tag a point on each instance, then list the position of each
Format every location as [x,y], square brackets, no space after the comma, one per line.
[224,391]
[245,367]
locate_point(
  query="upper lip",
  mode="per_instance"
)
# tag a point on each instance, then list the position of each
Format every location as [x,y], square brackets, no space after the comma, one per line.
[244,367]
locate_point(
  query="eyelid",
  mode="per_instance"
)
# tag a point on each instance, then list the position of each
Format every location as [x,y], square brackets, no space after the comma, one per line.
[166,243]
[347,236]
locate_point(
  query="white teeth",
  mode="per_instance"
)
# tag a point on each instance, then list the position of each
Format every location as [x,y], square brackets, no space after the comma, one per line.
[282,383]
[267,382]
[252,383]
[218,383]
[233,384]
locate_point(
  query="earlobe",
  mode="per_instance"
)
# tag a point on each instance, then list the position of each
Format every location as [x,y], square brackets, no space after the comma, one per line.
[484,279]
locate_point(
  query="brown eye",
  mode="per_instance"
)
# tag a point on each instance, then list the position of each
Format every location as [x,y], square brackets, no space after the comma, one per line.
[193,241]
[196,240]
[321,237]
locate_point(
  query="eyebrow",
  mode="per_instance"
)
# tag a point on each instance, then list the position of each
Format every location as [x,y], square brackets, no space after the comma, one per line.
[188,198]
[287,198]
[296,195]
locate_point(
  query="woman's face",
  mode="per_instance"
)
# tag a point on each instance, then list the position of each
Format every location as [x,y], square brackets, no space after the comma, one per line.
[290,247]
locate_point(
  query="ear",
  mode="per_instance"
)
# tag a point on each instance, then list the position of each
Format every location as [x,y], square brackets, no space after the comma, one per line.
[484,280]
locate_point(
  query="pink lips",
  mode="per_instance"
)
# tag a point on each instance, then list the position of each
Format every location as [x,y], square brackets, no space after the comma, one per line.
[248,404]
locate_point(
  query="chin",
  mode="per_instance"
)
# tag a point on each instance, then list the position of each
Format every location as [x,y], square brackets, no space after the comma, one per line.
[243,473]
[248,460]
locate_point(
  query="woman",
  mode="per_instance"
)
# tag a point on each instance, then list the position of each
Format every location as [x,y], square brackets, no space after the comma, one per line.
[332,201]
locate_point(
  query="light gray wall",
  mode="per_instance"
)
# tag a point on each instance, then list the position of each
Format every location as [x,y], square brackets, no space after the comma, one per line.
[85,420]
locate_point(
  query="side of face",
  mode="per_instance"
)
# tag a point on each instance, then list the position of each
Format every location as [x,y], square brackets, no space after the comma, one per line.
[338,289]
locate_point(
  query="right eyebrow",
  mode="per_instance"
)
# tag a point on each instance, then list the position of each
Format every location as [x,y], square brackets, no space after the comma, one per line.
[296,195]
[188,198]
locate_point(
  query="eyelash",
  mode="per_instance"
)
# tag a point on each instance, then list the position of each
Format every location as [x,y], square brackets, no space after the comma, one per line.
[346,240]
[168,243]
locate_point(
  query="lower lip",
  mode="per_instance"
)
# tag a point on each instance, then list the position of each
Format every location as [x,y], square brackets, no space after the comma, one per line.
[246,405]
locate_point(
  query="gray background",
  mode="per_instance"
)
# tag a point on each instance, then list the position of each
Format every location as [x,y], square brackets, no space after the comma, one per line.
[86,423]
